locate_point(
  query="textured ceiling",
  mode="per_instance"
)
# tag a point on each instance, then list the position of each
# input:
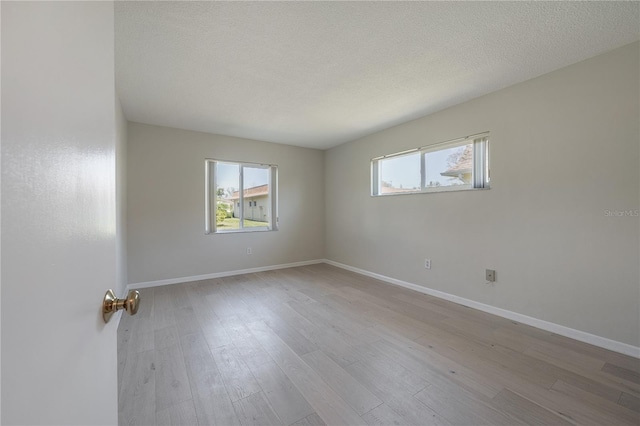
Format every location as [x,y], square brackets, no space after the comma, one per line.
[318,74]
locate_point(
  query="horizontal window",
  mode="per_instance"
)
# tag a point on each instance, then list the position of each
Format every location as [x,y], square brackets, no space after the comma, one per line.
[240,197]
[449,166]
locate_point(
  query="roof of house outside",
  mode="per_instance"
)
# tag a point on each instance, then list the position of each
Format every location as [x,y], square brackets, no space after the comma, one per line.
[463,165]
[256,191]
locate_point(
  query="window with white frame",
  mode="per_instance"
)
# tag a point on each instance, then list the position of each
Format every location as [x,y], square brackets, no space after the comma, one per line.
[460,164]
[240,197]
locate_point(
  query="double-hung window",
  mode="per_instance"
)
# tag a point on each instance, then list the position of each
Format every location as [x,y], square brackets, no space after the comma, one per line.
[456,165]
[240,197]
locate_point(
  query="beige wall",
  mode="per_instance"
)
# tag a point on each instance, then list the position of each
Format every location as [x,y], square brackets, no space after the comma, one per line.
[165,205]
[564,148]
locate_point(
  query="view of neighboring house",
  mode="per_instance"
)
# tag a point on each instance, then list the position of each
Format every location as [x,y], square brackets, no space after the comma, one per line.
[463,166]
[256,203]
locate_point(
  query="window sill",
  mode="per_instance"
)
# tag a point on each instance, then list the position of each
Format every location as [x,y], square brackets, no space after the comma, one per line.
[240,231]
[432,191]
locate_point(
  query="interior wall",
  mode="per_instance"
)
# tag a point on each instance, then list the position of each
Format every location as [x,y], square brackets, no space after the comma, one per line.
[166,205]
[564,164]
[121,200]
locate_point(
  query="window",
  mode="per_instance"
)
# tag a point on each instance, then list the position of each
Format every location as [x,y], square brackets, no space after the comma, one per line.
[240,197]
[449,166]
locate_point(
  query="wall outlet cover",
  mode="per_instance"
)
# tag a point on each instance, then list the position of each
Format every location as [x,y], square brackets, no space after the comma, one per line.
[490,275]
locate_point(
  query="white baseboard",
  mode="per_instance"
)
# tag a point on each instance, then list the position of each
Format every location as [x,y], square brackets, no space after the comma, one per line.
[582,336]
[158,283]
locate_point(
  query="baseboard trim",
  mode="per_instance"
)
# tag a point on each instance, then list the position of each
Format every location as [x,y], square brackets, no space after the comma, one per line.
[562,330]
[158,283]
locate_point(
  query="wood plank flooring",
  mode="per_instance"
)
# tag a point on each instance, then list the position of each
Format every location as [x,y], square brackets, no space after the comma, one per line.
[318,345]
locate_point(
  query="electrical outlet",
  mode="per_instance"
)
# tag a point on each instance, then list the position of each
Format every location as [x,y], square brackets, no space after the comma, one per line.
[427,263]
[249,250]
[490,275]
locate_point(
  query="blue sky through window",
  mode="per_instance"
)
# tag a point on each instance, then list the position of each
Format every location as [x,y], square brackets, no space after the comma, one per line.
[404,171]
[228,176]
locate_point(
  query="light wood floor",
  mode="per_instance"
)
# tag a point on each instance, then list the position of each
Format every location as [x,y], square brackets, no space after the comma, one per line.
[319,345]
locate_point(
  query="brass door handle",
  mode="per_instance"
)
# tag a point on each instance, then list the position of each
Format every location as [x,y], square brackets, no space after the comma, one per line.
[111,304]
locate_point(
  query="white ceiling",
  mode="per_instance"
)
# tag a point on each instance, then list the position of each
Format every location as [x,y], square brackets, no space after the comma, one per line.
[317,74]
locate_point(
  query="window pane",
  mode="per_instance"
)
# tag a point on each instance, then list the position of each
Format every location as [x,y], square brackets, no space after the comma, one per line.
[256,197]
[449,167]
[227,196]
[240,197]
[400,174]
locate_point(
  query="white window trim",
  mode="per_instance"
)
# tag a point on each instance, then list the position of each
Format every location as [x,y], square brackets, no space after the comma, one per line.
[480,173]
[211,194]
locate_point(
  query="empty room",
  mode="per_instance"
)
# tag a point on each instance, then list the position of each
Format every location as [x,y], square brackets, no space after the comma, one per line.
[320,213]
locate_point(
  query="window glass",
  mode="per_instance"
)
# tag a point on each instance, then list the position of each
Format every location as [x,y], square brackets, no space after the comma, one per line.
[451,166]
[400,174]
[227,195]
[240,197]
[256,197]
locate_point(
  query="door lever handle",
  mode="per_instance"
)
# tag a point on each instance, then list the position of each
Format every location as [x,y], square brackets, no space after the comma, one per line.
[111,304]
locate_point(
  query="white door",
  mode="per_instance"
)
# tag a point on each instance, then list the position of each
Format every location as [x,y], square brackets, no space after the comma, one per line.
[58,213]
